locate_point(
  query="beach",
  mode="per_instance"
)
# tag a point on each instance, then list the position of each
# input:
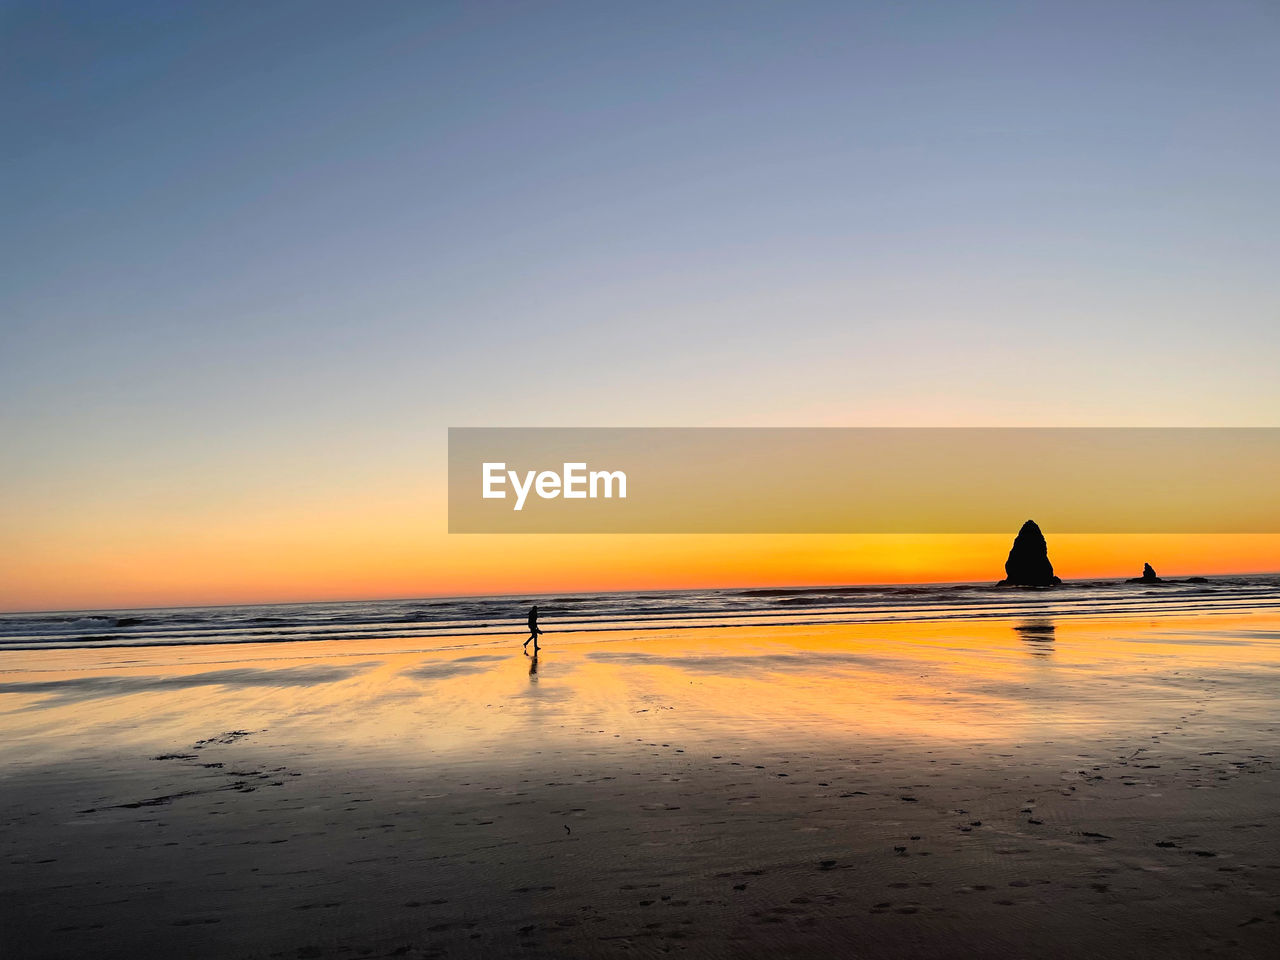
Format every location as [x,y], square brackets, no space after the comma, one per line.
[1020,783]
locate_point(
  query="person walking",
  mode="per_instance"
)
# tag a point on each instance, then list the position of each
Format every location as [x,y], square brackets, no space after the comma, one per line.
[534,631]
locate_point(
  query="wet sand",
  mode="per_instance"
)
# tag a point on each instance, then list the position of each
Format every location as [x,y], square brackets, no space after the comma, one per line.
[1078,788]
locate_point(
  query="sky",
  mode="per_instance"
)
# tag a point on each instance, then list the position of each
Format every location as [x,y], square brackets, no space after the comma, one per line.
[257,257]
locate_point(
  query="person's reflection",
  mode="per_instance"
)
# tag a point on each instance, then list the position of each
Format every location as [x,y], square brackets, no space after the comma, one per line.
[1037,635]
[533,666]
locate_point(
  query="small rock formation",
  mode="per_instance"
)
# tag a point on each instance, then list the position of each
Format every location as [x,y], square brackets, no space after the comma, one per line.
[1148,575]
[1028,564]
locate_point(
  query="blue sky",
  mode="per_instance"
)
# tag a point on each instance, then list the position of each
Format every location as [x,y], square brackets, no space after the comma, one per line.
[241,237]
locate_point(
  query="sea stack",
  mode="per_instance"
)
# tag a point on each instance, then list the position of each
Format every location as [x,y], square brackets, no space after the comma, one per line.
[1028,564]
[1148,575]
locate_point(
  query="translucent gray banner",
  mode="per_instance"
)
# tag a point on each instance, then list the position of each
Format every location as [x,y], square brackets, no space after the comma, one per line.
[863,480]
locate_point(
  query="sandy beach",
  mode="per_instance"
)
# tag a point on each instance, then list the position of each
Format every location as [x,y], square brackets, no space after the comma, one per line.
[1009,786]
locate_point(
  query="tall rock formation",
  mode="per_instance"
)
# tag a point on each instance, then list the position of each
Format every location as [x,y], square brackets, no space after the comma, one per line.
[1028,564]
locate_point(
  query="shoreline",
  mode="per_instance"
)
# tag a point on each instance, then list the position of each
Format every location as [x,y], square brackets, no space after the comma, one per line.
[626,613]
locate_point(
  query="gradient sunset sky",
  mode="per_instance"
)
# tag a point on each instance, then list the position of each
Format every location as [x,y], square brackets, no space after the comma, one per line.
[259,256]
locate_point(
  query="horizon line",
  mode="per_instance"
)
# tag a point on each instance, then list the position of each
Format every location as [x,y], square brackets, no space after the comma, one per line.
[589,593]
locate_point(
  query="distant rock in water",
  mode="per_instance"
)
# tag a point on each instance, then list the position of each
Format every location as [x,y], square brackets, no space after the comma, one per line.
[1148,575]
[1028,564]
[1197,580]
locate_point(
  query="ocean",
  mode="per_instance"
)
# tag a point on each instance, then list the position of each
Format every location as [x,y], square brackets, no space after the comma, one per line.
[446,619]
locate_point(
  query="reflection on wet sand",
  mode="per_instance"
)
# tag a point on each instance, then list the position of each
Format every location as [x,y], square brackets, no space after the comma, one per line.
[929,680]
[1038,634]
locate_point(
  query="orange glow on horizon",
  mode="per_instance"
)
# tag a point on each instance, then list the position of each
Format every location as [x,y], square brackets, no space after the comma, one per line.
[228,565]
[338,537]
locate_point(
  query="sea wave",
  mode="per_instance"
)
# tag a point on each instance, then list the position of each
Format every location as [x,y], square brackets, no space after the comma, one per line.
[459,616]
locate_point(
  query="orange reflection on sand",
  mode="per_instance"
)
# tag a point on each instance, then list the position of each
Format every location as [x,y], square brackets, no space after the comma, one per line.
[998,680]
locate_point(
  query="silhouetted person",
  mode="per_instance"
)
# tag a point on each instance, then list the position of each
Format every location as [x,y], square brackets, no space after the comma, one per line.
[534,632]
